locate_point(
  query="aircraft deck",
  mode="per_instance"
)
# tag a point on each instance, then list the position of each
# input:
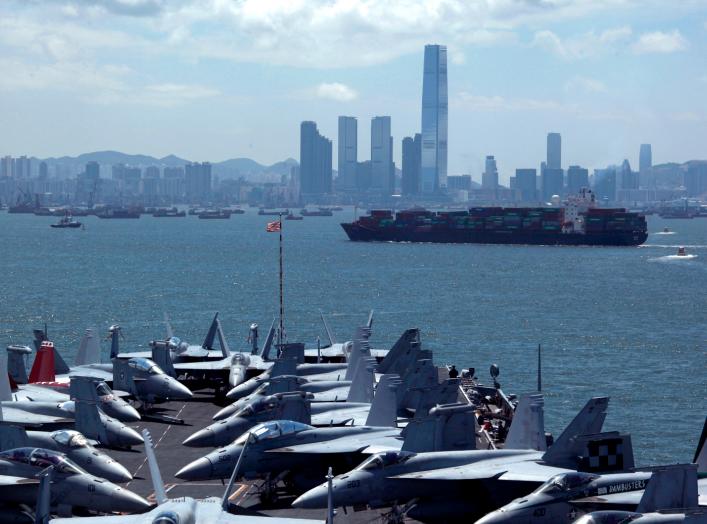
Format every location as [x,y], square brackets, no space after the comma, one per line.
[172,455]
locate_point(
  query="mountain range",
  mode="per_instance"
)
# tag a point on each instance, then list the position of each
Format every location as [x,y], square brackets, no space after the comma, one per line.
[231,168]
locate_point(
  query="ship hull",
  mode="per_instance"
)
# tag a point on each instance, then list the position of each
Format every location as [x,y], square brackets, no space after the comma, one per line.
[359,233]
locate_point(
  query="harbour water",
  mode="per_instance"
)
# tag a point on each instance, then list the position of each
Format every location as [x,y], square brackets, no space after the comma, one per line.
[626,322]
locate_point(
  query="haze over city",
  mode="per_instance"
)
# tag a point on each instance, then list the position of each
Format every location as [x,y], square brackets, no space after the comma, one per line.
[211,80]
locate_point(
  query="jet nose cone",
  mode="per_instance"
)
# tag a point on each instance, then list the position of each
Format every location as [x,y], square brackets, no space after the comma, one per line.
[201,439]
[130,437]
[126,501]
[496,517]
[200,469]
[111,470]
[225,412]
[178,391]
[127,413]
[315,498]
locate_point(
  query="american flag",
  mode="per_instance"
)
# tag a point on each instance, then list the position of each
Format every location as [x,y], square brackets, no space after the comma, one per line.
[273,227]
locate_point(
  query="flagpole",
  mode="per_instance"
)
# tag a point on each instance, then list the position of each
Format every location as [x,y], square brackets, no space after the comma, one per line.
[282,307]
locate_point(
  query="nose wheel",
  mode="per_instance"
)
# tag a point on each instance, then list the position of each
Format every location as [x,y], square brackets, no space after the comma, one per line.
[397,513]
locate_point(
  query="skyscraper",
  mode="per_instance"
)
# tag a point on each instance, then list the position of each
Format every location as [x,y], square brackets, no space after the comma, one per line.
[198,181]
[577,178]
[526,183]
[315,161]
[645,158]
[434,119]
[554,151]
[382,168]
[348,152]
[552,182]
[628,179]
[489,178]
[412,155]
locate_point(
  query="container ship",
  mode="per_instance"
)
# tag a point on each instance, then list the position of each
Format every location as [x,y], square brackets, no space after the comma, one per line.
[579,222]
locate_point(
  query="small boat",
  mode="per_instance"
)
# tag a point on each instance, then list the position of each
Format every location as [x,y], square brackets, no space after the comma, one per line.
[169,213]
[322,212]
[666,230]
[272,212]
[67,221]
[214,214]
[294,217]
[681,252]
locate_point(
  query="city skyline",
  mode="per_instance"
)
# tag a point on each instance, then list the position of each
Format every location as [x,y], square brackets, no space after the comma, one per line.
[128,75]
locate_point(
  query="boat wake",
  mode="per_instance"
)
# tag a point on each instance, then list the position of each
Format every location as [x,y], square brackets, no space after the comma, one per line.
[665,233]
[673,258]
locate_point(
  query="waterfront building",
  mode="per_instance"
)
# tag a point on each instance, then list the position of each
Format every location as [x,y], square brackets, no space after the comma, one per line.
[197,179]
[412,158]
[577,178]
[526,181]
[315,162]
[347,153]
[382,167]
[554,151]
[434,120]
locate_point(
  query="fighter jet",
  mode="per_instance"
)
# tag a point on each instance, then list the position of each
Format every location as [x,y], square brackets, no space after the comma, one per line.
[81,413]
[181,350]
[70,442]
[336,351]
[185,509]
[300,452]
[669,498]
[43,387]
[566,496]
[71,486]
[442,484]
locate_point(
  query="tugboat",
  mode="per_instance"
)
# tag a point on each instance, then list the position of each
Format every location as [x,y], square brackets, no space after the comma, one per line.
[67,221]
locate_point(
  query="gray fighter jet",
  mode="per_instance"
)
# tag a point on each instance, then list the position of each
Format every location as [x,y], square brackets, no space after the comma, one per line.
[81,413]
[442,484]
[71,486]
[185,509]
[337,351]
[671,497]
[137,377]
[566,496]
[299,452]
[70,442]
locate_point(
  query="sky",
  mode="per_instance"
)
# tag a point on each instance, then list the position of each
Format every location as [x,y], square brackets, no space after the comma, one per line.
[218,79]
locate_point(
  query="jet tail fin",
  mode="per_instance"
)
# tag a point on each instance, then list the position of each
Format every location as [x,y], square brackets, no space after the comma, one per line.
[162,356]
[5,390]
[42,511]
[369,324]
[402,353]
[419,377]
[265,352]
[447,427]
[12,436]
[670,487]
[283,366]
[361,349]
[361,388]
[211,334]
[332,341]
[294,405]
[60,366]
[168,326]
[155,475]
[587,422]
[701,452]
[89,350]
[115,334]
[384,409]
[88,421]
[44,366]
[528,425]
[222,343]
[16,363]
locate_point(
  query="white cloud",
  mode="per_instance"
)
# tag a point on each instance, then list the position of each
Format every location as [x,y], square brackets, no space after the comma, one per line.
[469,100]
[585,45]
[660,42]
[335,91]
[587,84]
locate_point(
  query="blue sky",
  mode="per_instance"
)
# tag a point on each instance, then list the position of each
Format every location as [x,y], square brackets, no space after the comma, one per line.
[216,79]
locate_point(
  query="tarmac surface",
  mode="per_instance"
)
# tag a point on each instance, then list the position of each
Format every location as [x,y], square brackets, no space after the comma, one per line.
[172,456]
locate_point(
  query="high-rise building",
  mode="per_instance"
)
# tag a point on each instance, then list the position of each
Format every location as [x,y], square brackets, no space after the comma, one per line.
[628,178]
[605,184]
[23,167]
[43,171]
[348,153]
[489,178]
[412,156]
[382,167]
[7,167]
[554,151]
[315,162]
[363,175]
[577,178]
[93,170]
[526,183]
[197,180]
[696,179]
[552,182]
[645,158]
[434,119]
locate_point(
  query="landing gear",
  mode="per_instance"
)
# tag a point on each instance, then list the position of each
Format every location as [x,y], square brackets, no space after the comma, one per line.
[397,513]
[268,492]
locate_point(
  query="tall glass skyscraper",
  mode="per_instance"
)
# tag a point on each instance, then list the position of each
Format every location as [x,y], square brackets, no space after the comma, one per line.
[434,119]
[348,153]
[382,167]
[554,151]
